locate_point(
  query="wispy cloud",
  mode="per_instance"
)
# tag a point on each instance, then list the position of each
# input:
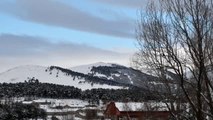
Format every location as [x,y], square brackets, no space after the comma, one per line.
[55,13]
[21,50]
[135,4]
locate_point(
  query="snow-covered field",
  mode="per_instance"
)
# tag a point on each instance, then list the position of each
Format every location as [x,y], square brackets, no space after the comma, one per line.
[76,109]
[64,109]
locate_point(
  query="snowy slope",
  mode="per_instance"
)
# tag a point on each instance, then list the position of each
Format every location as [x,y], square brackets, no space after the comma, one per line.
[97,75]
[117,73]
[87,68]
[22,73]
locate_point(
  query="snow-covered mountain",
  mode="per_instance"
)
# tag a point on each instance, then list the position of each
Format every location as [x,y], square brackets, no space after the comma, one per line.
[49,75]
[98,75]
[115,72]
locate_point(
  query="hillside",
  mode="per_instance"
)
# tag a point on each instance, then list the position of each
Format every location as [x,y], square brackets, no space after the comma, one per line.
[49,75]
[117,73]
[98,75]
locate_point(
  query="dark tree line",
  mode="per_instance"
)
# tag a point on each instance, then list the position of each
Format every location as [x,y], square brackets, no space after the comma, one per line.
[47,90]
[19,111]
[39,90]
[132,94]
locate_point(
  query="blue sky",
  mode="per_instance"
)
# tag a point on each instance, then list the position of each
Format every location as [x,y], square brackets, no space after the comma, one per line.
[67,32]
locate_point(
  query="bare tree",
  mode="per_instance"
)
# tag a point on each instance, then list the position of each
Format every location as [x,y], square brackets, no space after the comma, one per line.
[176,36]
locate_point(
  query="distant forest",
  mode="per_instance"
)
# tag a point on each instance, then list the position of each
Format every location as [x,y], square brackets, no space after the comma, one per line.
[33,88]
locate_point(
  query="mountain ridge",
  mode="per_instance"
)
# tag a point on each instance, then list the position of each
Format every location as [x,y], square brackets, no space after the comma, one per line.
[97,75]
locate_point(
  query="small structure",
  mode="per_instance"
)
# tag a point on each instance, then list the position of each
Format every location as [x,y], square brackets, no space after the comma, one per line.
[136,111]
[112,111]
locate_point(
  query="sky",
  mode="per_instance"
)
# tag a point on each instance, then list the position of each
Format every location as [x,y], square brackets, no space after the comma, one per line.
[67,33]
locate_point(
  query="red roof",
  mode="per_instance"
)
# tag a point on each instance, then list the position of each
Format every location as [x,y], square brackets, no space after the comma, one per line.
[113,111]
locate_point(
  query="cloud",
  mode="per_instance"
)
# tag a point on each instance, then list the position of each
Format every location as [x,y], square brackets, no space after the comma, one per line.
[12,45]
[18,50]
[135,4]
[55,13]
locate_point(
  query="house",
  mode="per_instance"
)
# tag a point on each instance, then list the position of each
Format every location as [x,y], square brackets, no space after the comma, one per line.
[136,111]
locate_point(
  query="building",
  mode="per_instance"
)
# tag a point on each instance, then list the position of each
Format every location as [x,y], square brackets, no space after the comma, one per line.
[136,111]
